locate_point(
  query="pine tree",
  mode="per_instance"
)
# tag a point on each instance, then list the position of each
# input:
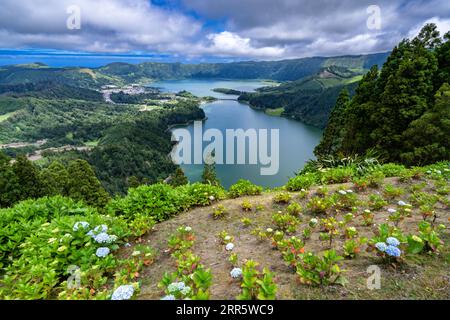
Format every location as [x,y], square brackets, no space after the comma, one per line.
[55,179]
[426,139]
[333,134]
[443,56]
[178,178]
[28,178]
[133,182]
[9,185]
[209,175]
[357,125]
[84,185]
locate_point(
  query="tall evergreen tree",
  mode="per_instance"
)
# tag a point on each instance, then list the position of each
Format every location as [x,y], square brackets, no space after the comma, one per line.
[209,175]
[9,185]
[84,185]
[426,139]
[28,178]
[391,105]
[334,132]
[357,126]
[443,56]
[178,178]
[55,179]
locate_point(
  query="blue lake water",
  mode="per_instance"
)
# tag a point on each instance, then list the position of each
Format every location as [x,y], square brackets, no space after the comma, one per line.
[296,140]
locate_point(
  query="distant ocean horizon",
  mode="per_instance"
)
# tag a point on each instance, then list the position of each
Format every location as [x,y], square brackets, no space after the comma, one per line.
[55,58]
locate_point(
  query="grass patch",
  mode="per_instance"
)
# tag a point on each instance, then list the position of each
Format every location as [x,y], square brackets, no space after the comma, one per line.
[275,112]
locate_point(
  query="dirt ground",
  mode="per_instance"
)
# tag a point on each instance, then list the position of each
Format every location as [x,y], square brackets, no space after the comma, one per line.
[421,277]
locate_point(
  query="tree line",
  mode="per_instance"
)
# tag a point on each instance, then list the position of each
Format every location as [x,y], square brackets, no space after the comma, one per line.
[401,112]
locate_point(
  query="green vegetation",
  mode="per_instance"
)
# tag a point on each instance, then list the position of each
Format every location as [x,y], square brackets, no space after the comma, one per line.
[228,91]
[402,111]
[309,100]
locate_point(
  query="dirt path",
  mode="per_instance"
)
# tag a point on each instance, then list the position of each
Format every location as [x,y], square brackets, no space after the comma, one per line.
[247,246]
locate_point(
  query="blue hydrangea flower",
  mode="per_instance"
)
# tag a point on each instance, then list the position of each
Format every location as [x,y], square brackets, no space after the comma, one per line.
[381,246]
[102,238]
[123,293]
[176,286]
[392,241]
[185,290]
[168,297]
[393,251]
[236,273]
[79,224]
[101,228]
[102,252]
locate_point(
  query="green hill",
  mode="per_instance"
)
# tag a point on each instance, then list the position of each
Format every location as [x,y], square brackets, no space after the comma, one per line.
[310,99]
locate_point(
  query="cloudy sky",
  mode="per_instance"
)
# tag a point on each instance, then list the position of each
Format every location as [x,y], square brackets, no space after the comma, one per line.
[207,29]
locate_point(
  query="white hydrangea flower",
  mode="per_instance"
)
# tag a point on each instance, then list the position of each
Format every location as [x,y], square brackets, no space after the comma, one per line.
[102,238]
[82,224]
[101,228]
[124,292]
[188,229]
[211,198]
[390,210]
[236,273]
[402,203]
[349,191]
[343,192]
[229,247]
[102,252]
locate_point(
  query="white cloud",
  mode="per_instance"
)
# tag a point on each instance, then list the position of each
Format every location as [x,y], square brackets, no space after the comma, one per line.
[260,29]
[228,43]
[443,26]
[106,25]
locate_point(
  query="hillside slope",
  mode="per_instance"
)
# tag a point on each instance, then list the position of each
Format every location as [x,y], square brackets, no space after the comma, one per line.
[421,277]
[310,99]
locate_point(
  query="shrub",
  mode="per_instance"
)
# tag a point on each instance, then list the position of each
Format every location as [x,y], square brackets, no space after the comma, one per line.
[303,181]
[219,212]
[161,201]
[376,202]
[45,256]
[319,205]
[315,270]
[426,241]
[246,221]
[294,209]
[246,205]
[352,247]
[285,222]
[256,284]
[282,198]
[337,175]
[375,179]
[392,169]
[27,217]
[391,192]
[244,188]
[344,200]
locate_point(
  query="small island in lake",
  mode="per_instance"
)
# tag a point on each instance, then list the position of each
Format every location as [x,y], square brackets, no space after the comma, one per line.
[228,91]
